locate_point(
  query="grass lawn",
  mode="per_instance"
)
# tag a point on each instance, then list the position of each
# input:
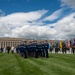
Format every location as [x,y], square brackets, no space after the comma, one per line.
[56,64]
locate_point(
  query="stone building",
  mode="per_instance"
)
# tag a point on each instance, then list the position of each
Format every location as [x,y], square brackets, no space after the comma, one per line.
[4,42]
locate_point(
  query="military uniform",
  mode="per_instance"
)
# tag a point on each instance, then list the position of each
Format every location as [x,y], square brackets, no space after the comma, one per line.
[46,46]
[43,49]
[23,50]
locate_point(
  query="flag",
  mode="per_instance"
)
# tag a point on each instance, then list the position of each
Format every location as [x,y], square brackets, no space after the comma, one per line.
[68,44]
[60,44]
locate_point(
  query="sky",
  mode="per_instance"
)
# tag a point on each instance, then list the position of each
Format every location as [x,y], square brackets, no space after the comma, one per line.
[37,19]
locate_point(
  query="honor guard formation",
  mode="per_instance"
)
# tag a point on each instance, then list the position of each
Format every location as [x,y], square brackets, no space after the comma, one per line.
[33,49]
[37,48]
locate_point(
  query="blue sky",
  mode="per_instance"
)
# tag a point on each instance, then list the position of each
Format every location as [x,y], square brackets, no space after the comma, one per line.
[12,6]
[37,19]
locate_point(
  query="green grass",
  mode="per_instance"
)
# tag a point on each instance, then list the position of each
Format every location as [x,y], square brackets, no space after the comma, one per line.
[56,64]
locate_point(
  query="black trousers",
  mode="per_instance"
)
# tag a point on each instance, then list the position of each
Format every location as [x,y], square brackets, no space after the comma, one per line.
[46,54]
[64,50]
[8,51]
[36,54]
[12,51]
[25,54]
[73,49]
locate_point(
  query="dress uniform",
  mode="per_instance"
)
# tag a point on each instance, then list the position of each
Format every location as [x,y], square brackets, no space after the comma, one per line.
[35,50]
[39,49]
[46,49]
[17,49]
[43,49]
[23,50]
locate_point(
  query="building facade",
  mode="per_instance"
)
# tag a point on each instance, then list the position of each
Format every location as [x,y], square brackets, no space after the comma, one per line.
[4,42]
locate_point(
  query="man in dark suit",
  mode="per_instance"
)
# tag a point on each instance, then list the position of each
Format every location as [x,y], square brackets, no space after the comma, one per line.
[8,49]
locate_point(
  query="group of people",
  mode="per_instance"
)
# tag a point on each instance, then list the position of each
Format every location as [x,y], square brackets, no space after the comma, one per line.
[8,49]
[63,47]
[40,49]
[34,49]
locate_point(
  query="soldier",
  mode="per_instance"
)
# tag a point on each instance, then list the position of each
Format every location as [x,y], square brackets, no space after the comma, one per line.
[46,49]
[35,49]
[17,49]
[31,49]
[43,49]
[28,48]
[39,45]
[23,50]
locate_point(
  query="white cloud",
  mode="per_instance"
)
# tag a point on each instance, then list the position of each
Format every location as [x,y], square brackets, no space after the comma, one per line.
[54,15]
[70,3]
[66,27]
[30,25]
[24,25]
[34,32]
[23,17]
